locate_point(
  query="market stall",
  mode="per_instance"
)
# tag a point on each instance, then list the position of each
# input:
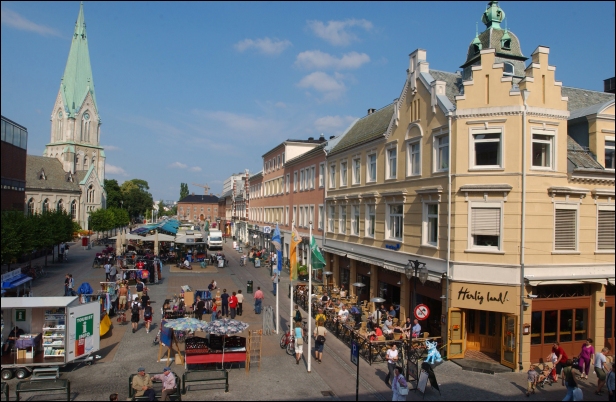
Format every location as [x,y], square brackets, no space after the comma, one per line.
[14,283]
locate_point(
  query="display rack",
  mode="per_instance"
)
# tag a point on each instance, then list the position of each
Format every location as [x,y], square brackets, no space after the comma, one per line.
[54,333]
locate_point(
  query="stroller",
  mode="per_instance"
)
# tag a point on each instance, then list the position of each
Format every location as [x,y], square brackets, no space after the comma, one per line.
[549,376]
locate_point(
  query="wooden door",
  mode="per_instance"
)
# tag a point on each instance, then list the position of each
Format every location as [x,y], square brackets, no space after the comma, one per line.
[509,332]
[455,342]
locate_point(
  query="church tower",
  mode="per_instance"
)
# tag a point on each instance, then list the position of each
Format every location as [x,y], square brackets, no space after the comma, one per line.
[75,122]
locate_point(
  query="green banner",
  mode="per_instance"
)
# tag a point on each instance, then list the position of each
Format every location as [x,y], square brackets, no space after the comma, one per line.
[84,326]
[20,315]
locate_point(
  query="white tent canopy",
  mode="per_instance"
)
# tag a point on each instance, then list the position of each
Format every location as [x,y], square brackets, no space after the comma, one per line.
[130,236]
[161,237]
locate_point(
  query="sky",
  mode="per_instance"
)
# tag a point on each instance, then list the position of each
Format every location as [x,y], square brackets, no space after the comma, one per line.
[196,91]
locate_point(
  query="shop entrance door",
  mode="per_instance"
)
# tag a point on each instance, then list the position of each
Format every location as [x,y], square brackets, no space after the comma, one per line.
[509,333]
[455,341]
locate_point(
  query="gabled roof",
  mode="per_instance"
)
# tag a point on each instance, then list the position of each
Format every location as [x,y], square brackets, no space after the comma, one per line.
[55,176]
[77,80]
[584,98]
[307,155]
[580,157]
[366,129]
[200,199]
[453,83]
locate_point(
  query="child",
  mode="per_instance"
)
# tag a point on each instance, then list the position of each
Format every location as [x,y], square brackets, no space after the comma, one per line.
[532,380]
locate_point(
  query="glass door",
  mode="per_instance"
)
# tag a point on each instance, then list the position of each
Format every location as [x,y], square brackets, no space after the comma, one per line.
[456,340]
[509,336]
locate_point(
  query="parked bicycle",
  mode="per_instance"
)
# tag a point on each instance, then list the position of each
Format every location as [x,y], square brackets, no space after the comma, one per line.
[287,340]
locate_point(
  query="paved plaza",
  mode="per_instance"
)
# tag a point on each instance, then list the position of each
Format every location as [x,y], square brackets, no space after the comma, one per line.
[279,378]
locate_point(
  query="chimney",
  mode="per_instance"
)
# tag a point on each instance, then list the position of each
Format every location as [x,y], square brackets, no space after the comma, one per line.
[608,85]
[321,138]
[193,193]
[370,111]
[310,138]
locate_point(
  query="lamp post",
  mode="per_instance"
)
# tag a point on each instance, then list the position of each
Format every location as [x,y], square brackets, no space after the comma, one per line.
[423,276]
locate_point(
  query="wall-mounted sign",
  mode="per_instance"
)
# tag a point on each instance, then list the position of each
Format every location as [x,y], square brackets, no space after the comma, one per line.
[20,315]
[267,229]
[394,247]
[485,297]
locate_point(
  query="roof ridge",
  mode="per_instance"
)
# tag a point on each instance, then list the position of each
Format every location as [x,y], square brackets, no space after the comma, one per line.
[589,90]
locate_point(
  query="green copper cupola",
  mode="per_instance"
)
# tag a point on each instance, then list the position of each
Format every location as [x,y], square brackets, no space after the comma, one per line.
[493,15]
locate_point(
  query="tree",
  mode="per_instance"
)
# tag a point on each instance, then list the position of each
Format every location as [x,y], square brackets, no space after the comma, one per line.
[137,200]
[183,190]
[114,193]
[16,236]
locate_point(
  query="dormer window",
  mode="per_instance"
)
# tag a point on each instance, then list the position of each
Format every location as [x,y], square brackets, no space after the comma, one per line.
[41,175]
[476,48]
[506,44]
[508,69]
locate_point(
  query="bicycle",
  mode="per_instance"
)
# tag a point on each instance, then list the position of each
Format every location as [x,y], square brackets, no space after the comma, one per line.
[287,340]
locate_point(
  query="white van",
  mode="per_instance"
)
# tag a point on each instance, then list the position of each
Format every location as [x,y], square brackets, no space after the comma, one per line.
[214,240]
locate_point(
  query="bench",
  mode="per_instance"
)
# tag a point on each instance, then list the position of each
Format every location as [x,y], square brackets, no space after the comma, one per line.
[45,373]
[157,386]
[202,376]
[5,391]
[44,386]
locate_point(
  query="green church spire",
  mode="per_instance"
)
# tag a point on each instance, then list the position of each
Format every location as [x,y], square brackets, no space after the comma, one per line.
[77,80]
[493,15]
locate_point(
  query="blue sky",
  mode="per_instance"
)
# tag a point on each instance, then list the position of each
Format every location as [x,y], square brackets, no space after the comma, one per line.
[193,92]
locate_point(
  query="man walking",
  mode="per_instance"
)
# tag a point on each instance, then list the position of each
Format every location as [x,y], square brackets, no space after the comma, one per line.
[258,300]
[224,298]
[319,339]
[240,301]
[112,273]
[71,285]
[134,317]
[199,307]
[139,288]
[392,359]
[107,270]
[66,283]
[233,305]
[122,295]
[275,282]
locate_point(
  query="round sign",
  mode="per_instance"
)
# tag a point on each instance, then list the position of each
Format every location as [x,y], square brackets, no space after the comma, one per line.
[422,312]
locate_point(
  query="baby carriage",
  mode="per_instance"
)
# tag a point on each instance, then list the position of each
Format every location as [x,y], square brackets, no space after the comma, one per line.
[547,376]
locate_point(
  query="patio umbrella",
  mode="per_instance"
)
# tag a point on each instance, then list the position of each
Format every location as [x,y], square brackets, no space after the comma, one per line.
[186,324]
[156,243]
[225,326]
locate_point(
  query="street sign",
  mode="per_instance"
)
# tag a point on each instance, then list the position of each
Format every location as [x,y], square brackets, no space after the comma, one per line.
[354,353]
[267,229]
[422,312]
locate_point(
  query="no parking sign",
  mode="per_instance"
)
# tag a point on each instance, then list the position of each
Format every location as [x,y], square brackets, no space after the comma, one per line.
[422,312]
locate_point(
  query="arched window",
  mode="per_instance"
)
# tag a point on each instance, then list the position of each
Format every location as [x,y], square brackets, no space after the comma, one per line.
[60,206]
[74,210]
[90,195]
[59,126]
[94,162]
[77,163]
[508,69]
[31,207]
[85,127]
[45,205]
[85,162]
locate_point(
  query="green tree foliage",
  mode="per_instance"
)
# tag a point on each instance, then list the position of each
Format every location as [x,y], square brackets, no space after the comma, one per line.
[114,194]
[102,220]
[16,235]
[161,208]
[184,190]
[121,217]
[137,199]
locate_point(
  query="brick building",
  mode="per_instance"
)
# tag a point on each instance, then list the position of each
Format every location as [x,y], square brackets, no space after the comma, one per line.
[198,208]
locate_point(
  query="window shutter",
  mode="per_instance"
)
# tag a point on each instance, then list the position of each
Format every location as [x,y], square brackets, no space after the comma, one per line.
[485,221]
[605,236]
[565,229]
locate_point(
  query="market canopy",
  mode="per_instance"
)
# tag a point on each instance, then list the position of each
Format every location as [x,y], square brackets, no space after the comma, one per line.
[129,236]
[161,237]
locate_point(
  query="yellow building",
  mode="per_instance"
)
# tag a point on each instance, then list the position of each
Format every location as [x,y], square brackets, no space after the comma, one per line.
[500,180]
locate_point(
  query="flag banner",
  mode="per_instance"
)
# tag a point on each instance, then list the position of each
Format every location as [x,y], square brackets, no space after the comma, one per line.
[277,242]
[295,240]
[318,261]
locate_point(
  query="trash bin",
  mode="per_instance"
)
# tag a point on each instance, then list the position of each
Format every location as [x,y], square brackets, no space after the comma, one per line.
[249,287]
[257,263]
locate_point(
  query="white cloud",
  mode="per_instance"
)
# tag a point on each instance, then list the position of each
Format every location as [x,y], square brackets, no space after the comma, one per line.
[14,20]
[178,165]
[195,169]
[114,170]
[315,59]
[111,148]
[265,45]
[333,124]
[337,32]
[238,122]
[332,88]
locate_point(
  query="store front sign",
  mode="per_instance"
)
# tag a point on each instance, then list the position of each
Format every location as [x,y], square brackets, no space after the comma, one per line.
[484,297]
[394,247]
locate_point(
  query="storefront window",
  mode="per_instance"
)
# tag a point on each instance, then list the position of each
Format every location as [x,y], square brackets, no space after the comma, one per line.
[550,322]
[492,323]
[390,293]
[345,276]
[581,324]
[535,328]
[566,321]
[471,321]
[483,322]
[608,322]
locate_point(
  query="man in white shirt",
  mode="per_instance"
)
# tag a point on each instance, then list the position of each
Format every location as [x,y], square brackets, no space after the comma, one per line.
[343,314]
[392,359]
[186,264]
[387,327]
[107,270]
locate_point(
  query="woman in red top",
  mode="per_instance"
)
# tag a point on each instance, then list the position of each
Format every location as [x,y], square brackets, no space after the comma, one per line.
[561,357]
[233,305]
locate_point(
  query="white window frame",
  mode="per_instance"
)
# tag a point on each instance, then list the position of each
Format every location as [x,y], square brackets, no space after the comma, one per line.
[369,165]
[605,208]
[320,222]
[294,220]
[576,208]
[344,172]
[437,155]
[355,217]
[286,215]
[413,155]
[391,162]
[370,212]
[295,181]
[321,175]
[307,179]
[342,213]
[606,148]
[426,221]
[310,215]
[332,175]
[312,175]
[287,182]
[302,221]
[473,142]
[356,170]
[486,205]
[301,180]
[331,216]
[552,152]
[389,224]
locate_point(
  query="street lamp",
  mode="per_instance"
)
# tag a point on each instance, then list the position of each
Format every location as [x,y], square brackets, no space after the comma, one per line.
[423,276]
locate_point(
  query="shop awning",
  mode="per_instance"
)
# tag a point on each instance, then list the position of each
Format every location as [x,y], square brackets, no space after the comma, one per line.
[16,281]
[335,251]
[610,281]
[365,259]
[563,281]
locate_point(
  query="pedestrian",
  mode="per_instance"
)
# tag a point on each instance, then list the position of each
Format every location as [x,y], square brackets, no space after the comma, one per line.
[320,316]
[71,285]
[531,380]
[199,306]
[258,300]
[113,397]
[112,273]
[600,369]
[107,269]
[561,357]
[319,339]
[144,301]
[275,282]
[299,341]
[66,283]
[147,316]
[399,386]
[392,359]
[134,317]
[609,367]
[568,380]
[122,296]
[139,288]
[168,380]
[224,298]
[586,358]
[298,315]
[240,301]
[142,384]
[233,305]
[66,252]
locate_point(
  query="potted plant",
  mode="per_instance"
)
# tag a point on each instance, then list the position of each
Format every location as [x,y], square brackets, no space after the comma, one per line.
[302,273]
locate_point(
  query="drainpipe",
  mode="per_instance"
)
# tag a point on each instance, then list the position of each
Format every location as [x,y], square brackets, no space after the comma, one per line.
[525,93]
[448,226]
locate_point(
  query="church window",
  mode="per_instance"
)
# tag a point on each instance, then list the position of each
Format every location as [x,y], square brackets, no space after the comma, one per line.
[74,210]
[76,163]
[85,163]
[85,127]
[508,69]
[59,127]
[60,206]
[45,205]
[31,207]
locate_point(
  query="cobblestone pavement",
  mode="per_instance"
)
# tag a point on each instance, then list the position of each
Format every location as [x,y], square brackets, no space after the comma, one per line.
[279,378]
